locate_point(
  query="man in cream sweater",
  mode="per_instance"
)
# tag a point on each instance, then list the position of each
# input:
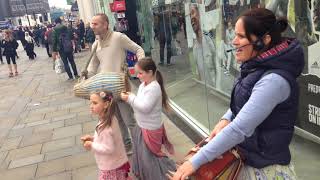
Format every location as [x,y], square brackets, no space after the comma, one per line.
[111,50]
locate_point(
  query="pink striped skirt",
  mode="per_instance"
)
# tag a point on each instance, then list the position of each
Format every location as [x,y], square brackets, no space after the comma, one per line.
[121,173]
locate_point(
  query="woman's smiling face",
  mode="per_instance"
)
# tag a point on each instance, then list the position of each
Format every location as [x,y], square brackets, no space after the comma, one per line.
[244,47]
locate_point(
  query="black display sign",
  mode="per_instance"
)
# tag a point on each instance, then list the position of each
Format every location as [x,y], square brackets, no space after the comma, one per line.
[309,106]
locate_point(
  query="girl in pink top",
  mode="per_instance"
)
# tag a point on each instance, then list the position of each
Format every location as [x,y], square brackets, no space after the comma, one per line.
[107,143]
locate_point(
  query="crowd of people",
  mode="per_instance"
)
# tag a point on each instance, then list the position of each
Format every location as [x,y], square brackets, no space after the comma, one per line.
[260,120]
[81,36]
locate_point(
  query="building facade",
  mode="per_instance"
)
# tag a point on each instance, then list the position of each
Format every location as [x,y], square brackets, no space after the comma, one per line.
[4,10]
[17,10]
[23,7]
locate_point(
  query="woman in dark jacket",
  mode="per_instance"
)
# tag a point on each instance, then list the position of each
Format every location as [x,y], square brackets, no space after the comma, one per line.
[9,44]
[264,101]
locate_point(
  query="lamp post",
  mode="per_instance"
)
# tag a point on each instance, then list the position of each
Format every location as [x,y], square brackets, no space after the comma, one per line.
[25,5]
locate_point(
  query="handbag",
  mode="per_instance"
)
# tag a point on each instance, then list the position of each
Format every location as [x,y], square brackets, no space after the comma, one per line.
[225,167]
[59,66]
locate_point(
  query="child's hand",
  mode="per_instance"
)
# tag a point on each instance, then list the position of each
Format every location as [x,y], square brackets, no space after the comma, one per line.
[87,145]
[125,96]
[86,137]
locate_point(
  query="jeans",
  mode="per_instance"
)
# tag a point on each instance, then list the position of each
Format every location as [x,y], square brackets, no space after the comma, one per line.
[68,58]
[48,49]
[165,39]
[127,121]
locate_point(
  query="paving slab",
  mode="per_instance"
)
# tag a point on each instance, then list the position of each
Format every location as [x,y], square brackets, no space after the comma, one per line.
[36,123]
[19,126]
[51,167]
[48,127]
[64,153]
[11,143]
[20,132]
[78,120]
[61,176]
[33,118]
[58,144]
[86,173]
[3,155]
[80,160]
[65,116]
[54,115]
[24,152]
[26,161]
[23,173]
[36,138]
[67,131]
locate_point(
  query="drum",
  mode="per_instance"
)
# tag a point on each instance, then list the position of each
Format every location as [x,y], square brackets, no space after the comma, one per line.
[110,81]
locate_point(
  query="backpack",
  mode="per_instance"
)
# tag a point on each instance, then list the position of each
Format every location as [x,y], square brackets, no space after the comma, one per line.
[65,42]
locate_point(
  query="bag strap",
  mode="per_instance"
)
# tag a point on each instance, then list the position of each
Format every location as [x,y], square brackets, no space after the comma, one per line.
[84,72]
[125,70]
[236,153]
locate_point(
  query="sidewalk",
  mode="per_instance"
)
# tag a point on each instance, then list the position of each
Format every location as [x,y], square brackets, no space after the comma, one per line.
[41,123]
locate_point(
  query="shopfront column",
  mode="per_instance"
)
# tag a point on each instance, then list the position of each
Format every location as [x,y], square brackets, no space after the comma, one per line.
[82,10]
[86,9]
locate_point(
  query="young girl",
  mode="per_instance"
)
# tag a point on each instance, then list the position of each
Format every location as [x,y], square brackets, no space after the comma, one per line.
[107,143]
[9,44]
[149,161]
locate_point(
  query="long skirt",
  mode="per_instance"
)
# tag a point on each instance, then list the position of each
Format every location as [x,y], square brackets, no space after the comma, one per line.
[30,50]
[269,172]
[145,164]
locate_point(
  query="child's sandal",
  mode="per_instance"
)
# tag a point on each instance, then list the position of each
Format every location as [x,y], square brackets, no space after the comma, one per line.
[10,74]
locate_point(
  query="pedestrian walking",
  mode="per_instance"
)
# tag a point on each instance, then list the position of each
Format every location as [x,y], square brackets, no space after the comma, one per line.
[48,40]
[30,42]
[63,44]
[10,45]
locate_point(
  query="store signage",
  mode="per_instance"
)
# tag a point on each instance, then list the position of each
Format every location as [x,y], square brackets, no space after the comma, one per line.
[121,15]
[309,105]
[119,6]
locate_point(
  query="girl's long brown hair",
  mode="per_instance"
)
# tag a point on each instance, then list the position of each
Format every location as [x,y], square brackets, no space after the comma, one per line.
[9,34]
[110,112]
[147,64]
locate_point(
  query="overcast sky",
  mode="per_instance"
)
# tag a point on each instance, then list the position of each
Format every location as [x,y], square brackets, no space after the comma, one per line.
[57,3]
